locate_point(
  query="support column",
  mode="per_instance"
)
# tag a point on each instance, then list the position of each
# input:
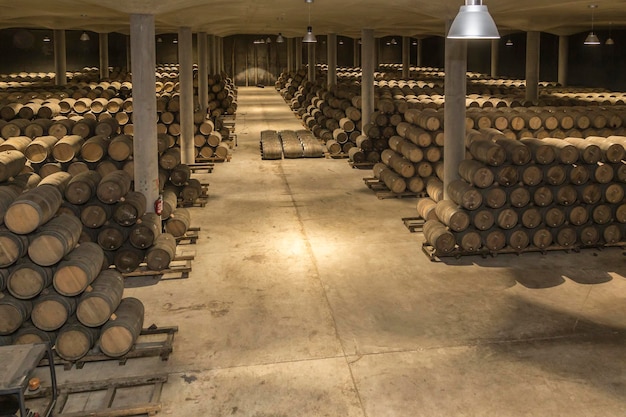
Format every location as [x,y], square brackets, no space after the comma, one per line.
[145,149]
[212,54]
[356,59]
[310,47]
[331,49]
[367,79]
[419,53]
[563,58]
[290,55]
[185,63]
[495,53]
[60,61]
[406,57]
[376,53]
[103,43]
[298,53]
[220,54]
[455,87]
[203,73]
[128,52]
[532,66]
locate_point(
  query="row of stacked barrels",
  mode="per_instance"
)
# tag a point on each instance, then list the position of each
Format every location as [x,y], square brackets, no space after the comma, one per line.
[55,285]
[530,194]
[45,79]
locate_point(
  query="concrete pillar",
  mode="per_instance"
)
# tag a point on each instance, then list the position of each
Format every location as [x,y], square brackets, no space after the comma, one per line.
[185,63]
[203,72]
[532,66]
[128,52]
[220,54]
[60,61]
[419,53]
[298,53]
[290,54]
[356,59]
[145,150]
[331,50]
[563,58]
[103,43]
[212,54]
[454,110]
[495,53]
[406,57]
[310,47]
[376,53]
[367,80]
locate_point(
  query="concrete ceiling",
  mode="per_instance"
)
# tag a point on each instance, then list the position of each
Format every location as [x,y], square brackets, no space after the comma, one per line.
[344,17]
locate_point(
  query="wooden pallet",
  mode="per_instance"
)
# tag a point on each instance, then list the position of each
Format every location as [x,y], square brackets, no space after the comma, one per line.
[201,166]
[214,159]
[414,224]
[190,237]
[340,155]
[198,202]
[382,192]
[361,165]
[73,395]
[178,269]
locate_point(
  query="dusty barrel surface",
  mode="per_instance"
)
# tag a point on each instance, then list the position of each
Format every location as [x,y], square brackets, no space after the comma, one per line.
[51,310]
[13,312]
[120,333]
[32,209]
[100,299]
[55,239]
[79,269]
[75,340]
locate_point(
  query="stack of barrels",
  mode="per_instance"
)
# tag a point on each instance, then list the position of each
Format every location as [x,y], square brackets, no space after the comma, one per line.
[54,287]
[289,144]
[531,194]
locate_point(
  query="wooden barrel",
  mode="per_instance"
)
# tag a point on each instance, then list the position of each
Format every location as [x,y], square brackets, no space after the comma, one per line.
[356,155]
[214,138]
[476,173]
[577,215]
[51,310]
[542,153]
[590,194]
[469,240]
[191,191]
[518,239]
[12,247]
[519,196]
[159,256]
[482,219]
[121,148]
[565,236]
[84,128]
[27,280]
[602,173]
[61,127]
[127,258]
[439,237]
[494,239]
[80,267]
[82,187]
[590,153]
[566,153]
[541,238]
[601,214]
[506,218]
[40,149]
[506,175]
[59,180]
[516,152]
[565,195]
[426,208]
[129,209]
[113,186]
[588,235]
[612,234]
[487,152]
[613,150]
[170,158]
[119,334]
[613,193]
[95,148]
[145,231]
[531,218]
[399,164]
[107,127]
[100,299]
[94,213]
[11,164]
[554,217]
[578,174]
[32,209]
[75,340]
[170,201]
[180,175]
[543,196]
[16,127]
[15,143]
[531,175]
[29,334]
[620,213]
[38,127]
[453,216]
[67,148]
[13,313]
[179,222]
[464,195]
[555,174]
[415,184]
[55,239]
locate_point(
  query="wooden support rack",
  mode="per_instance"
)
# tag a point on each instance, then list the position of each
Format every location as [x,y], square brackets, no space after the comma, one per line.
[190,237]
[340,155]
[361,165]
[201,166]
[382,192]
[414,224]
[178,269]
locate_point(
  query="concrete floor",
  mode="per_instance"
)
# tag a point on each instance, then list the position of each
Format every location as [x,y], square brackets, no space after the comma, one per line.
[309,297]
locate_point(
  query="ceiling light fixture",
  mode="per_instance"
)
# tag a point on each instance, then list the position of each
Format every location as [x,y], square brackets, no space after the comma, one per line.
[592,38]
[509,42]
[473,22]
[84,36]
[46,38]
[394,41]
[340,41]
[268,40]
[160,39]
[309,37]
[610,40]
[414,43]
[279,38]
[175,40]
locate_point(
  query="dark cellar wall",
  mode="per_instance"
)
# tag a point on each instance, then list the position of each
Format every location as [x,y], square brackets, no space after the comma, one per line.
[591,66]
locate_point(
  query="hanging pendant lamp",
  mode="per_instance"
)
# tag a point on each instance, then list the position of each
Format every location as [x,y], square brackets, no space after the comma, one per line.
[473,22]
[309,37]
[592,38]
[84,36]
[279,38]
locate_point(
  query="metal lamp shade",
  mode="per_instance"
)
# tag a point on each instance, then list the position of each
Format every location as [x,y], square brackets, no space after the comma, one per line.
[309,37]
[473,22]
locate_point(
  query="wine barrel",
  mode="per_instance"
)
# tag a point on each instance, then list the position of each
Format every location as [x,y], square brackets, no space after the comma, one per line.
[170,158]
[612,234]
[145,231]
[113,186]
[542,153]
[59,180]
[29,334]
[602,173]
[13,313]
[121,148]
[27,280]
[75,340]
[415,184]
[61,127]
[107,127]
[51,310]
[12,247]
[469,240]
[67,148]
[32,209]
[590,153]
[578,174]
[15,143]
[613,193]
[565,236]
[100,299]
[555,174]
[541,238]
[11,164]
[94,213]
[531,175]
[439,237]
[95,148]
[506,175]
[516,152]
[506,218]
[159,256]
[120,332]
[394,182]
[78,269]
[531,218]
[450,214]
[519,196]
[191,191]
[565,195]
[476,173]
[82,187]
[601,214]
[566,153]
[487,152]
[517,239]
[40,149]
[554,217]
[543,196]
[179,222]
[426,208]
[84,128]
[180,175]
[590,194]
[127,258]
[577,215]
[494,240]
[130,209]
[38,127]
[620,213]
[613,150]
[54,240]
[588,235]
